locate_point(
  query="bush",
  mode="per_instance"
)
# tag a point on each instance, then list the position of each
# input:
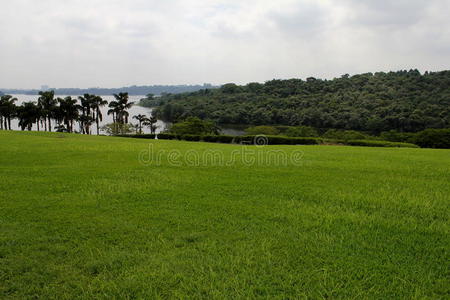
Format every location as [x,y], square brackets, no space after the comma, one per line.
[276,140]
[345,135]
[190,137]
[301,131]
[139,136]
[166,136]
[225,139]
[211,138]
[395,136]
[374,143]
[433,138]
[266,130]
[195,126]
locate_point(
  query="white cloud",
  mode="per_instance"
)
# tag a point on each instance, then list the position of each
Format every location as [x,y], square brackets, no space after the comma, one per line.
[113,43]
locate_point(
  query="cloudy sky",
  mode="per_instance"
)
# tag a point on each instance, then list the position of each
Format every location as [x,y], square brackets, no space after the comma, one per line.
[113,43]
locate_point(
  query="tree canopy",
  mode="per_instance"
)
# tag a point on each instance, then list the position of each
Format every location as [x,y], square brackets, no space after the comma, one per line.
[406,101]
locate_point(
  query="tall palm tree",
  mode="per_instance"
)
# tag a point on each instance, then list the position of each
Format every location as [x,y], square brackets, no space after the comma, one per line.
[47,102]
[97,104]
[141,119]
[87,101]
[8,109]
[69,110]
[122,106]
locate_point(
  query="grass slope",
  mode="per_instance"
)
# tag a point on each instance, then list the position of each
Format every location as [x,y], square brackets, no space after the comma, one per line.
[82,217]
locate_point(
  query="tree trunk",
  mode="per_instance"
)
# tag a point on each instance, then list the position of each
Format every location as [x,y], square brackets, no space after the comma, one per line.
[9,122]
[49,124]
[97,121]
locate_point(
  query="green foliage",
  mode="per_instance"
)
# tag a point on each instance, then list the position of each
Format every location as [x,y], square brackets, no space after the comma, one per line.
[211,138]
[276,140]
[301,131]
[395,136]
[193,125]
[225,138]
[344,135]
[374,143]
[117,128]
[166,136]
[405,101]
[139,136]
[263,129]
[434,138]
[191,137]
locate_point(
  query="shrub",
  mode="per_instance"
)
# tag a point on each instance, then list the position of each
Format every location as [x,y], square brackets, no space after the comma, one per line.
[195,126]
[266,130]
[166,136]
[276,140]
[374,143]
[433,138]
[225,138]
[210,138]
[301,131]
[140,136]
[190,137]
[344,135]
[395,136]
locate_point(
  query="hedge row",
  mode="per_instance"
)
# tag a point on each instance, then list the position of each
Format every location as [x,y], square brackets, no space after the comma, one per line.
[268,140]
[138,136]
[276,140]
[375,143]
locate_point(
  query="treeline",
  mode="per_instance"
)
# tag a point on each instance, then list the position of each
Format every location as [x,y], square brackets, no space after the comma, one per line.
[61,114]
[131,90]
[405,101]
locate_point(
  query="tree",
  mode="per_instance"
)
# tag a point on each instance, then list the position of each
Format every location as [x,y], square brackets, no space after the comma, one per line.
[151,123]
[141,119]
[97,104]
[69,111]
[85,123]
[7,111]
[195,126]
[47,103]
[87,101]
[122,105]
[28,114]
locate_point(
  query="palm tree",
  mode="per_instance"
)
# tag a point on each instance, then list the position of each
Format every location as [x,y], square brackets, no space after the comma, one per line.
[47,103]
[86,105]
[69,110]
[85,123]
[28,114]
[122,106]
[141,119]
[151,123]
[97,104]
[7,110]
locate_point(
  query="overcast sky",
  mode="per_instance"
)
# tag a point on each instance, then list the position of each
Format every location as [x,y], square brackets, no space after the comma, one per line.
[114,43]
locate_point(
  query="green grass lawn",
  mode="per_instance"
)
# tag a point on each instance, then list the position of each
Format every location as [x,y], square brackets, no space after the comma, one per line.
[83,217]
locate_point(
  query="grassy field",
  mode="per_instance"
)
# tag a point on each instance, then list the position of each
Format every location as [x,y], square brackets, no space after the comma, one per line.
[90,217]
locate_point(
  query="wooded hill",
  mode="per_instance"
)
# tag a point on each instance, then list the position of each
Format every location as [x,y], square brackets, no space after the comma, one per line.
[405,101]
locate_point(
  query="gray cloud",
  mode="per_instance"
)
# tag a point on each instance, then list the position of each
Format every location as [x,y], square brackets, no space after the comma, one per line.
[84,43]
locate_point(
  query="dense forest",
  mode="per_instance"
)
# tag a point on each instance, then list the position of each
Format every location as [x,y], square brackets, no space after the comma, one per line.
[406,101]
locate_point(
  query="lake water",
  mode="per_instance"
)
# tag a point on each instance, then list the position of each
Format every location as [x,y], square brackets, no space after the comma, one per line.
[135,110]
